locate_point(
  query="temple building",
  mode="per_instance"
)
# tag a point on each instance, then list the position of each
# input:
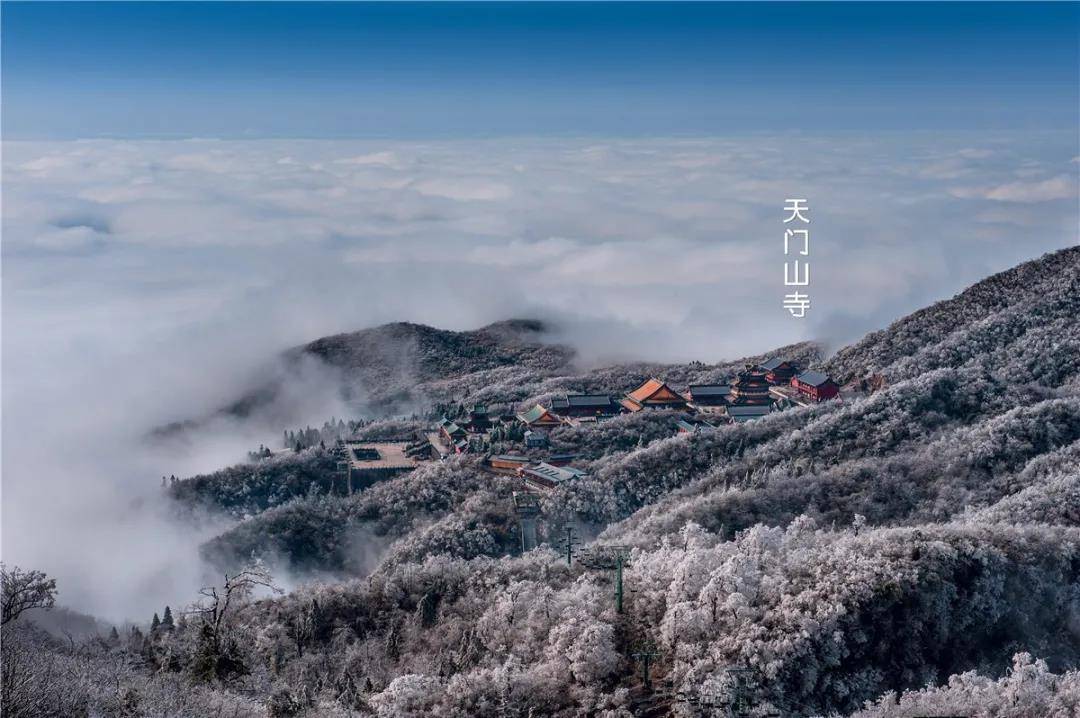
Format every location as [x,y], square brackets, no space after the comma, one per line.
[366,463]
[561,459]
[451,432]
[693,425]
[478,421]
[585,405]
[779,370]
[535,439]
[654,394]
[750,388]
[748,412]
[815,385]
[545,477]
[709,394]
[508,463]
[539,417]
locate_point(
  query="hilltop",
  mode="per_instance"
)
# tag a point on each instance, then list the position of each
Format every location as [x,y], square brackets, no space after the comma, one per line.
[392,368]
[421,353]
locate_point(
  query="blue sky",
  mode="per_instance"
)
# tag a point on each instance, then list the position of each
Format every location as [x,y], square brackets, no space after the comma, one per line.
[403,70]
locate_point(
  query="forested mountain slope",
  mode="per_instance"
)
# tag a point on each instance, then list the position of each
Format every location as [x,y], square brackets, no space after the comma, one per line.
[1021,321]
[827,560]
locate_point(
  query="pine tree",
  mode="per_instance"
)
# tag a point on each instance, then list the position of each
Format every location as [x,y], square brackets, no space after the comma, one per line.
[135,639]
[155,624]
[167,619]
[114,637]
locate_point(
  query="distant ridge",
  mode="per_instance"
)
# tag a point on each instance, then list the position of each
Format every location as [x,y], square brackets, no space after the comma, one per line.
[380,367]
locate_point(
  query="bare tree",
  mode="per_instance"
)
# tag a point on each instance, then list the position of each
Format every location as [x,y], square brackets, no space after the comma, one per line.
[23,590]
[216,654]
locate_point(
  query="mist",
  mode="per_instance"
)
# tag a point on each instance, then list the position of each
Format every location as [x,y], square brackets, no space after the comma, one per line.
[152,282]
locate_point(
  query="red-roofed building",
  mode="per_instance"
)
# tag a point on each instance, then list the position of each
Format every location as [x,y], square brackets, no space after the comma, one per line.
[815,385]
[654,394]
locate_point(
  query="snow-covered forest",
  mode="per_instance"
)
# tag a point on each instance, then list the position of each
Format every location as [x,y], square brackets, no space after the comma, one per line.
[913,551]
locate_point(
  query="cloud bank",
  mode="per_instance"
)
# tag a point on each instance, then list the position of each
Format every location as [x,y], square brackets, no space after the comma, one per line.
[144,282]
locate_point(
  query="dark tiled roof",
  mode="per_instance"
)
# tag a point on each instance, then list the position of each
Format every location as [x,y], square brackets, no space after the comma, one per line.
[751,376]
[813,378]
[770,364]
[749,410]
[709,389]
[601,400]
[694,424]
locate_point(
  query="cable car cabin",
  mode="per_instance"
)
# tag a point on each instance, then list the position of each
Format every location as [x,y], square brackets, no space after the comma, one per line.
[654,394]
[778,370]
[815,386]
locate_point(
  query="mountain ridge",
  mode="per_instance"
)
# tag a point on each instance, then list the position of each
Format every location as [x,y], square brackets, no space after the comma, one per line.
[1047,285]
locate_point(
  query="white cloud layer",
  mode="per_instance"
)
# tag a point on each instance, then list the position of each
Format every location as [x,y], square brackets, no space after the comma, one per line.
[1061,187]
[143,281]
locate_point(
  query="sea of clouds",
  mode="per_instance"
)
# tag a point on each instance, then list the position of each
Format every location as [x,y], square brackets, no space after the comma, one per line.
[148,281]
